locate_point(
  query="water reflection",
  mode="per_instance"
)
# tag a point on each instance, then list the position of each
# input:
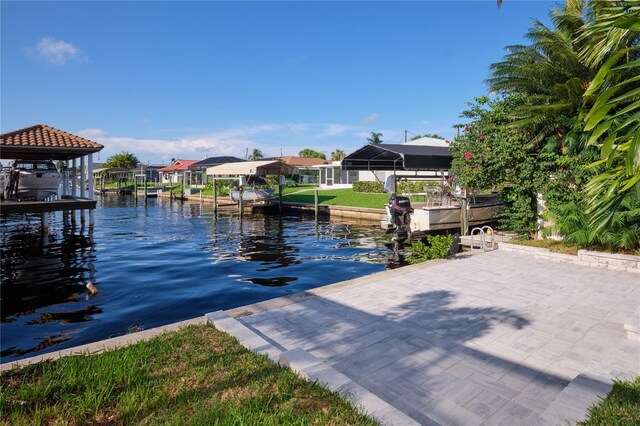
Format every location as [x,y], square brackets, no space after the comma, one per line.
[160,262]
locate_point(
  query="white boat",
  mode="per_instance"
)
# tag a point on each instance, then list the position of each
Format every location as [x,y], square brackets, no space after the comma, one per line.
[481,210]
[32,180]
[253,195]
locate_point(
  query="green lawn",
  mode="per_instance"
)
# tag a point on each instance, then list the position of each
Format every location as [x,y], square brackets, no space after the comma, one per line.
[339,197]
[197,375]
[620,407]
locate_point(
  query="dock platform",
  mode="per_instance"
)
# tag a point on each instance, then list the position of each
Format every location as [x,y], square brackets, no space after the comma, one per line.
[12,207]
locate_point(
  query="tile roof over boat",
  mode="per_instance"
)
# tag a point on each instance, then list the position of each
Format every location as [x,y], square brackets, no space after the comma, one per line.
[178,166]
[45,142]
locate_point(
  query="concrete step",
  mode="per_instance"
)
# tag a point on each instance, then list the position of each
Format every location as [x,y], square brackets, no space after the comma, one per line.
[245,336]
[593,384]
[313,369]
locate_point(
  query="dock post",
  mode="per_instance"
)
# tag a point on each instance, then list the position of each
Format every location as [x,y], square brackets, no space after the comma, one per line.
[82,172]
[184,178]
[90,176]
[464,216]
[170,187]
[215,196]
[74,181]
[135,186]
[45,222]
[144,182]
[91,219]
[315,201]
[82,218]
[240,203]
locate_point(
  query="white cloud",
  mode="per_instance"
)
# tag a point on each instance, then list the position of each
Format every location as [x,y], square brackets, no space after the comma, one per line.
[371,118]
[56,52]
[223,143]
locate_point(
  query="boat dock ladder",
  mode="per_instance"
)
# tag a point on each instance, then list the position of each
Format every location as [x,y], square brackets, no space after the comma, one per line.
[483,243]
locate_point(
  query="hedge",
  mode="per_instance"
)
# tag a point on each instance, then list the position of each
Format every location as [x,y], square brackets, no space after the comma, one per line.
[365,186]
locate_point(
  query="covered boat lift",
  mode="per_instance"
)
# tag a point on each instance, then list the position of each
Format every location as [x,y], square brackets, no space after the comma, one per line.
[242,170]
[42,142]
[399,157]
[407,158]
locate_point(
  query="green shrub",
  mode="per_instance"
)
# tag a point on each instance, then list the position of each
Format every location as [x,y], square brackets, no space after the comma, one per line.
[364,186]
[438,248]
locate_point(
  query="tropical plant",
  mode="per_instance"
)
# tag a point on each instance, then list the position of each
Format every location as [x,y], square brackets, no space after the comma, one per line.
[256,155]
[552,76]
[375,138]
[614,118]
[310,153]
[428,135]
[438,247]
[125,160]
[338,155]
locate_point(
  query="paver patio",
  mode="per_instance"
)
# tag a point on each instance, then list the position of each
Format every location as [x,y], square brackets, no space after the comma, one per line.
[486,339]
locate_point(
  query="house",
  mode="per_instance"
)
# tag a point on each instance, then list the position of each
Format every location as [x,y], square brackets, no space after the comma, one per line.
[308,172]
[175,172]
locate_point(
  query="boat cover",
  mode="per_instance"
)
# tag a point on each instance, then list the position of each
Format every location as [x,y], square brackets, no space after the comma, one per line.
[398,157]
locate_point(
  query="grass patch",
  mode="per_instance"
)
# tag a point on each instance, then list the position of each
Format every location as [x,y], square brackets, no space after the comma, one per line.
[340,197]
[620,407]
[562,247]
[197,375]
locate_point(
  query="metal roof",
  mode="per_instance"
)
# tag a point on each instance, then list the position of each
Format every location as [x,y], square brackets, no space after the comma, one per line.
[259,168]
[398,157]
[214,161]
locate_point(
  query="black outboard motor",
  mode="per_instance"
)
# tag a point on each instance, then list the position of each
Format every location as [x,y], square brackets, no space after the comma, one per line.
[400,208]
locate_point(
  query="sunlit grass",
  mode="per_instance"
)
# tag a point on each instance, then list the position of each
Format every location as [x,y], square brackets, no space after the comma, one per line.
[195,376]
[620,407]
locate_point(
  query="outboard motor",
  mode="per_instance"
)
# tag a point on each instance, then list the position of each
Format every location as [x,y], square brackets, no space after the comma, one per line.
[400,209]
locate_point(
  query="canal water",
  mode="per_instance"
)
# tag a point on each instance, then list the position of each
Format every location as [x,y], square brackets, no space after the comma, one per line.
[159,263]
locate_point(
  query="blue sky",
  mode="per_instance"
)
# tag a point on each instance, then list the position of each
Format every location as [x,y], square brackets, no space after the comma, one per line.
[193,79]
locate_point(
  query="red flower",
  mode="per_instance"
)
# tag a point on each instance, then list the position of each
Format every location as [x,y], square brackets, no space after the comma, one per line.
[468,155]
[481,137]
[447,141]
[466,128]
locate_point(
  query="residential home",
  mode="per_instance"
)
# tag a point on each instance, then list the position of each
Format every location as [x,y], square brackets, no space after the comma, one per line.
[175,172]
[199,168]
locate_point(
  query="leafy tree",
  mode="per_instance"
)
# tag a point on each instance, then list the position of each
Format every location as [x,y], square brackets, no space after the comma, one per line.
[338,155]
[551,74]
[375,138]
[613,36]
[125,159]
[310,153]
[428,135]
[256,155]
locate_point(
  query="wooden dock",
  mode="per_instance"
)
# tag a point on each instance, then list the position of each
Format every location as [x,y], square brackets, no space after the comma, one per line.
[11,207]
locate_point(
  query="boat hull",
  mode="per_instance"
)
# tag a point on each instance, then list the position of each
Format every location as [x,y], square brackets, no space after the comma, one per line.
[38,185]
[253,195]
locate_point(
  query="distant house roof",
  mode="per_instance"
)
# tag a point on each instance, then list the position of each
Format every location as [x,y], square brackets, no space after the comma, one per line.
[426,141]
[178,166]
[214,161]
[259,168]
[42,142]
[303,161]
[398,157]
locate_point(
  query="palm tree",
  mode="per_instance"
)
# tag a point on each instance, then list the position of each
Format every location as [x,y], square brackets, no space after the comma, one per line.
[551,74]
[614,118]
[256,155]
[125,160]
[375,138]
[338,155]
